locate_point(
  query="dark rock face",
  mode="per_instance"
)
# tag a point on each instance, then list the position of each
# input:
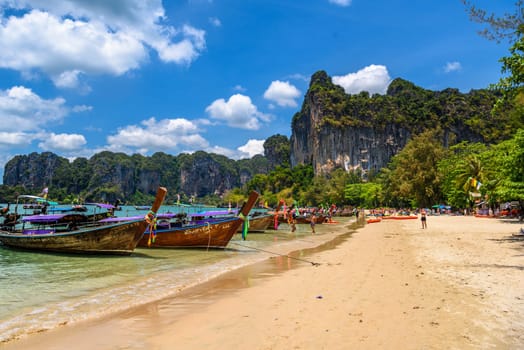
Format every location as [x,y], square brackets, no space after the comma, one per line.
[328,147]
[206,175]
[336,130]
[33,170]
[277,151]
[146,182]
[108,176]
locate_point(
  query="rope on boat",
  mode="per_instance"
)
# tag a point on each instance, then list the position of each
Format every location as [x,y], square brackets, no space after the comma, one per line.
[278,254]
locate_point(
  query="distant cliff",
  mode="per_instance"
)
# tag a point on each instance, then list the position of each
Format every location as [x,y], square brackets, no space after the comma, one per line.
[337,130]
[109,176]
[332,130]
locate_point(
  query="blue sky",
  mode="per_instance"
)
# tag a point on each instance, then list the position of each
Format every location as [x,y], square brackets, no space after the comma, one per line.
[139,76]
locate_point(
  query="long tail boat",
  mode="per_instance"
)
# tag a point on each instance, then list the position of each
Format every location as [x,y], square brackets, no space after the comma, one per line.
[259,222]
[303,219]
[67,234]
[212,234]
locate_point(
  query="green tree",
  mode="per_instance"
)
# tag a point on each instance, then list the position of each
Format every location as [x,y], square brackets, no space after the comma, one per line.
[277,150]
[414,174]
[365,194]
[507,162]
[512,84]
[463,162]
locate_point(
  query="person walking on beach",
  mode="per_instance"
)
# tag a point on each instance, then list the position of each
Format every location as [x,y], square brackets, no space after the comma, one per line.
[291,218]
[423,219]
[313,222]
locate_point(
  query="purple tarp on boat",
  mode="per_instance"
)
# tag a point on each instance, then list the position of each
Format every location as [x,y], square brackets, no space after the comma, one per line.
[43,218]
[138,217]
[214,213]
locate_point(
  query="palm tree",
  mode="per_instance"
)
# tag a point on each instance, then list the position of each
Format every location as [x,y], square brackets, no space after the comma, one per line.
[471,168]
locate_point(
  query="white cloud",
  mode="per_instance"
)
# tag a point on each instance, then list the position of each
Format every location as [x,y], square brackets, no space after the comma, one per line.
[452,67]
[82,108]
[184,51]
[62,142]
[22,110]
[15,139]
[252,148]
[67,39]
[373,79]
[68,79]
[283,93]
[239,88]
[215,21]
[237,112]
[232,154]
[342,3]
[158,135]
[24,117]
[64,49]
[298,76]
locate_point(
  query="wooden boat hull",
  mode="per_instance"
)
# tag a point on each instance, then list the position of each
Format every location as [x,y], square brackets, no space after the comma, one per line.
[120,238]
[403,217]
[204,235]
[211,234]
[259,223]
[304,220]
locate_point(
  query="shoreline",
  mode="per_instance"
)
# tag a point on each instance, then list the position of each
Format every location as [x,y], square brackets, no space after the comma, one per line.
[457,285]
[209,288]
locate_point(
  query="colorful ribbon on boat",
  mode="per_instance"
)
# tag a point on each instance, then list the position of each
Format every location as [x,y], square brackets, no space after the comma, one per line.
[245,225]
[151,220]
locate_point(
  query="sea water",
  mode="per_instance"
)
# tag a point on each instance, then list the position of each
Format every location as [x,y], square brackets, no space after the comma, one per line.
[41,291]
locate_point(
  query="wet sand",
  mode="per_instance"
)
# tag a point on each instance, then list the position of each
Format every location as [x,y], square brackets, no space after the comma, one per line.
[456,285]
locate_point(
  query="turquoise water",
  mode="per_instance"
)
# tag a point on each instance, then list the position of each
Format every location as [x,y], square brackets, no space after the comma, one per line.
[40,291]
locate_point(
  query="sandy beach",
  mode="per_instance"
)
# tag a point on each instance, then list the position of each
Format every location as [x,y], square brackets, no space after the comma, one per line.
[391,285]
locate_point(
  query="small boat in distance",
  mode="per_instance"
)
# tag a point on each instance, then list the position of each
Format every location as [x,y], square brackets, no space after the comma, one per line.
[142,207]
[373,219]
[71,233]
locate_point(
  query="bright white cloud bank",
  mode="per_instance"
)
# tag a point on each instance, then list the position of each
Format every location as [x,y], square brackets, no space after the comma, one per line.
[373,79]
[68,38]
[163,134]
[22,110]
[62,142]
[237,112]
[24,116]
[252,148]
[282,93]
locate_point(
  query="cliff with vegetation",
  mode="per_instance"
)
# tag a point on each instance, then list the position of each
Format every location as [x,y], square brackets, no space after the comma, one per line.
[333,130]
[109,176]
[336,130]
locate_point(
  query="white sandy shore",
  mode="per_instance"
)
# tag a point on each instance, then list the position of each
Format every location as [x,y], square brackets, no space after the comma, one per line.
[457,285]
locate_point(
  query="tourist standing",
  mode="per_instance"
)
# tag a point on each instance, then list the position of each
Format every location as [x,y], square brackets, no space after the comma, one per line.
[313,222]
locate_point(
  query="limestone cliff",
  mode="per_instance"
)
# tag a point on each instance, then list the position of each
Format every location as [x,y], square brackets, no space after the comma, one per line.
[109,176]
[337,130]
